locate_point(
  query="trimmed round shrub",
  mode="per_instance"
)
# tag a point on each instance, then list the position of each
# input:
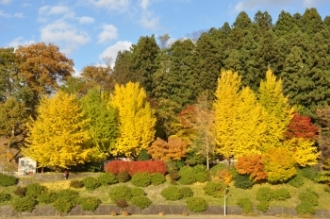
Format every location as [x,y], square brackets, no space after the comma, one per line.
[214,170]
[77,184]
[66,200]
[297,181]
[89,203]
[157,179]
[263,206]
[305,209]
[135,191]
[141,201]
[187,192]
[215,189]
[196,204]
[24,204]
[123,177]
[121,192]
[172,193]
[309,196]
[20,191]
[107,179]
[187,175]
[35,189]
[7,180]
[264,194]
[91,183]
[246,205]
[47,197]
[4,197]
[68,194]
[243,181]
[281,194]
[141,179]
[202,177]
[199,168]
[63,205]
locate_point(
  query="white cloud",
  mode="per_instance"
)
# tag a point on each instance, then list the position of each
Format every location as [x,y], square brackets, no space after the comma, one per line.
[147,20]
[111,5]
[111,51]
[144,4]
[108,33]
[19,15]
[66,36]
[85,20]
[6,15]
[55,10]
[19,41]
[5,2]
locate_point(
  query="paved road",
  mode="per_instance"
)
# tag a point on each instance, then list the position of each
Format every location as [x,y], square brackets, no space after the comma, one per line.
[147,217]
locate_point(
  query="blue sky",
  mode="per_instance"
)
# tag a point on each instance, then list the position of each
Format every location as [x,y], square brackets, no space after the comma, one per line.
[88,31]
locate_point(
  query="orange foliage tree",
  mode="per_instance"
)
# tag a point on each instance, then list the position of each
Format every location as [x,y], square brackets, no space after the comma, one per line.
[173,149]
[252,165]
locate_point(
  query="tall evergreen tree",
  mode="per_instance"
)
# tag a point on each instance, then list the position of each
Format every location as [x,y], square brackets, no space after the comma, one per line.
[145,62]
[181,79]
[122,71]
[208,66]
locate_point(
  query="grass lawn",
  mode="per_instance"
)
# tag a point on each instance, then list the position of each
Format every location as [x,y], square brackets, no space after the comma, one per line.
[56,182]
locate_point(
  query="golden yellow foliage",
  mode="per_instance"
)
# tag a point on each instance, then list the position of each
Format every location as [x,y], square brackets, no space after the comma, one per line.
[305,153]
[136,119]
[56,138]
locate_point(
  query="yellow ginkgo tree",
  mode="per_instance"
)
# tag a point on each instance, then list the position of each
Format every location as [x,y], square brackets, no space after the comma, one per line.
[58,135]
[136,119]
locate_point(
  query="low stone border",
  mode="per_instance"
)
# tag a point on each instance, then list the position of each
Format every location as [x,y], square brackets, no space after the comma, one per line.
[45,210]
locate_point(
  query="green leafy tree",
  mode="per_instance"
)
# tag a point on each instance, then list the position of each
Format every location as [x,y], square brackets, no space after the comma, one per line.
[136,119]
[103,125]
[58,136]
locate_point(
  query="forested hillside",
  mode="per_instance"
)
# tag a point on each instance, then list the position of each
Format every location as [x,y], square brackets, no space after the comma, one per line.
[277,73]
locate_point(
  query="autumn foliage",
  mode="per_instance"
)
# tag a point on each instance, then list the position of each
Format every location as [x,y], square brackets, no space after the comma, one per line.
[173,149]
[301,127]
[251,165]
[133,167]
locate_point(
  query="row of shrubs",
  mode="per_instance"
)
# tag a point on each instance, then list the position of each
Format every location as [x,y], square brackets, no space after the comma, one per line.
[26,198]
[306,207]
[105,179]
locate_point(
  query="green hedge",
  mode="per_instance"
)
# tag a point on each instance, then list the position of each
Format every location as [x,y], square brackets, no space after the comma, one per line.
[141,179]
[172,193]
[141,201]
[7,180]
[196,204]
[24,204]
